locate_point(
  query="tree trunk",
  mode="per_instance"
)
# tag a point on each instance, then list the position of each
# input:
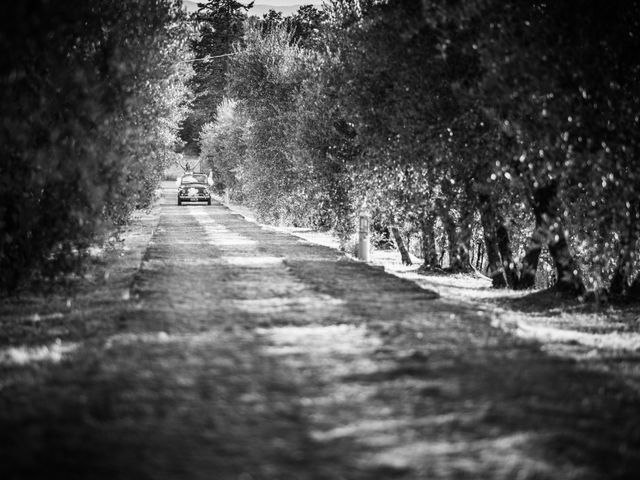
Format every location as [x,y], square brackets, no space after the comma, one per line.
[634,289]
[530,261]
[621,279]
[463,259]
[622,275]
[545,210]
[567,275]
[459,242]
[494,268]
[402,248]
[452,237]
[465,237]
[429,252]
[479,256]
[472,255]
[506,256]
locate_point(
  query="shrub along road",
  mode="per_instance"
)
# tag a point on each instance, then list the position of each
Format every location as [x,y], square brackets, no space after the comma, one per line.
[234,352]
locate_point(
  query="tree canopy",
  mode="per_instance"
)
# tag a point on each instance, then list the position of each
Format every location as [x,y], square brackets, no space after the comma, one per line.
[510,124]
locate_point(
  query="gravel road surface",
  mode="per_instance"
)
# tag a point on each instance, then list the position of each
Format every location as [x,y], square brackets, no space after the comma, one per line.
[237,352]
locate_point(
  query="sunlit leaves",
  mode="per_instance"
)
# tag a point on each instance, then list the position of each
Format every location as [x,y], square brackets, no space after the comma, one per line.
[91,104]
[410,108]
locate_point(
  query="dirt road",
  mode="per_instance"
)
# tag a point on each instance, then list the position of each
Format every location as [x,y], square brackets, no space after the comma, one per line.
[236,352]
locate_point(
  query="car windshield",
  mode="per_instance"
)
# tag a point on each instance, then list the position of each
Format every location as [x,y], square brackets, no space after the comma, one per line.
[187,179]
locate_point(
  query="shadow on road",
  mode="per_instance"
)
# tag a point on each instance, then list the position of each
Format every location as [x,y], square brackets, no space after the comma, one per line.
[241,353]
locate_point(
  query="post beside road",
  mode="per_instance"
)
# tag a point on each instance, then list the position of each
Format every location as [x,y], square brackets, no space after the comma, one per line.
[363,237]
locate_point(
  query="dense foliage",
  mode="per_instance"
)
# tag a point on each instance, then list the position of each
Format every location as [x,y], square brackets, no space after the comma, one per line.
[512,124]
[266,76]
[218,25]
[92,94]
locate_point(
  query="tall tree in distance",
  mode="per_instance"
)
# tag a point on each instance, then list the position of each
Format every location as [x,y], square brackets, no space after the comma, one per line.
[306,26]
[219,24]
[265,77]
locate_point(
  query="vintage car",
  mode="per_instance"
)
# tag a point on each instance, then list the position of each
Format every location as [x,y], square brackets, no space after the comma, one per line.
[193,188]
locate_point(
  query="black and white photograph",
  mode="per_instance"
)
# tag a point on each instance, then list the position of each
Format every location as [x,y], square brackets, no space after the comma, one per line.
[320,240]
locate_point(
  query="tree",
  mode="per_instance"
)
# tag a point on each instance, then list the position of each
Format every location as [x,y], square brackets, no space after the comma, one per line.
[219,25]
[451,117]
[223,146]
[307,25]
[90,110]
[564,98]
[265,76]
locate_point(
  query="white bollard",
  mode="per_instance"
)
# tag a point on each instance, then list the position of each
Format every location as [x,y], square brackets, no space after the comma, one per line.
[363,237]
[226,197]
